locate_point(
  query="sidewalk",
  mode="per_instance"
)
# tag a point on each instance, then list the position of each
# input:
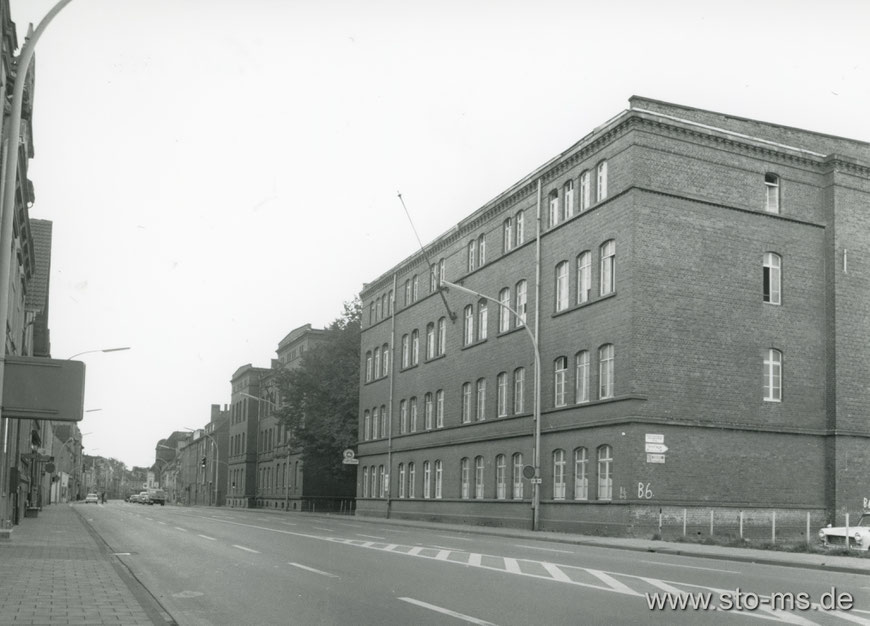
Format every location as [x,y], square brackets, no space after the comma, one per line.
[54,571]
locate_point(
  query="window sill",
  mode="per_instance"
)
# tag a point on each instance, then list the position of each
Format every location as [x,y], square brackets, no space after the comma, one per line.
[510,331]
[437,357]
[583,305]
[474,344]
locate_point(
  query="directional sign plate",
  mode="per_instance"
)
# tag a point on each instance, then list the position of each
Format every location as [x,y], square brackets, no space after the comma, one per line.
[658,448]
[654,438]
[655,458]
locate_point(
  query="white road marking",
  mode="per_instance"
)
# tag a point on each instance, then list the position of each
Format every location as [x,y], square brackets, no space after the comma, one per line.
[554,571]
[443,611]
[184,530]
[456,538]
[246,549]
[610,581]
[709,569]
[150,519]
[369,536]
[164,523]
[445,548]
[517,545]
[311,569]
[511,565]
[442,555]
[207,537]
[329,530]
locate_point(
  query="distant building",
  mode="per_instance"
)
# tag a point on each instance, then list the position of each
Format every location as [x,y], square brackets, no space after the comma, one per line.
[698,287]
[243,440]
[202,459]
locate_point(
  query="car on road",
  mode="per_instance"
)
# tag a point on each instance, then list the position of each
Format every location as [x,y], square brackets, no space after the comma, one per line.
[133,497]
[858,535]
[144,498]
[92,497]
[157,496]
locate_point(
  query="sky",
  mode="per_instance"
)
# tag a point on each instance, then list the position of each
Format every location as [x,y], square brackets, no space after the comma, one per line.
[219,172]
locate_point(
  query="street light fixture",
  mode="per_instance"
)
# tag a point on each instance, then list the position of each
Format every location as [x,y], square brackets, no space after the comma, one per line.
[536,461]
[93,351]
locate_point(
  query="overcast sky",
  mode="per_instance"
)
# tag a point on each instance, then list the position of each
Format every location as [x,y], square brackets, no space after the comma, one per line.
[220,172]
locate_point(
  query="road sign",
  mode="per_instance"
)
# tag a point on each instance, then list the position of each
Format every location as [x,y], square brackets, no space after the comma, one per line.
[653,438]
[349,458]
[655,458]
[536,481]
[658,448]
[529,471]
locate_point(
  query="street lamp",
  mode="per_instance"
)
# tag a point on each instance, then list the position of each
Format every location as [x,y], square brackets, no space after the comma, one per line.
[93,351]
[536,460]
[216,461]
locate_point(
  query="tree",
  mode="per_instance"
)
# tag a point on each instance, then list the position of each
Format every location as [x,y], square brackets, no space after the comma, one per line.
[320,398]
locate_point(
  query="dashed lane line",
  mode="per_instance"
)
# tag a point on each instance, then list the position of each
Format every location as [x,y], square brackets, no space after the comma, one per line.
[443,611]
[184,530]
[311,569]
[246,549]
[207,537]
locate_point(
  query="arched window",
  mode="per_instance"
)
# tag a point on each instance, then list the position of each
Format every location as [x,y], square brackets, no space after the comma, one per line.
[585,191]
[406,351]
[481,250]
[517,476]
[478,478]
[428,411]
[403,417]
[502,398]
[367,421]
[553,204]
[468,334]
[385,360]
[439,475]
[562,286]
[412,480]
[430,340]
[500,477]
[519,390]
[401,469]
[368,366]
[519,228]
[504,314]
[558,474]
[365,483]
[507,235]
[771,183]
[560,381]
[771,278]
[605,371]
[581,481]
[408,292]
[427,480]
[481,399]
[442,336]
[439,408]
[581,377]
[415,347]
[584,277]
[376,367]
[568,200]
[464,479]
[381,481]
[773,375]
[521,304]
[602,181]
[375,423]
[472,255]
[374,481]
[482,320]
[466,403]
[413,415]
[383,420]
[608,267]
[605,473]
[414,283]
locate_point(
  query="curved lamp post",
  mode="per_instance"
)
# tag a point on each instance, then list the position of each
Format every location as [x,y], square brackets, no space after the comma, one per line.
[93,351]
[536,461]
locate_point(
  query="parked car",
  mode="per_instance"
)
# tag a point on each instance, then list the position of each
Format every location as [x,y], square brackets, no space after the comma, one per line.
[92,497]
[157,496]
[133,497]
[859,534]
[144,498]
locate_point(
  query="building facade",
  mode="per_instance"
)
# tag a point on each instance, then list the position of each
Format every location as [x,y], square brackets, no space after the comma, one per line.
[697,288]
[197,472]
[243,436]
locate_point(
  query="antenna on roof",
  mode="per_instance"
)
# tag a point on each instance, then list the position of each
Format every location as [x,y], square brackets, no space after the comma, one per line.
[432,268]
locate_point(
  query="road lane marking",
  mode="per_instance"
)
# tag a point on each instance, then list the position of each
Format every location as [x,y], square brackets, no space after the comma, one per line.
[443,611]
[369,536]
[612,582]
[554,571]
[709,569]
[454,537]
[511,566]
[184,530]
[164,523]
[517,545]
[445,548]
[246,549]
[311,569]
[329,530]
[207,537]
[288,523]
[442,555]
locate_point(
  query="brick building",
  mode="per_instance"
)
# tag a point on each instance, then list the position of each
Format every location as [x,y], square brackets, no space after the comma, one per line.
[699,288]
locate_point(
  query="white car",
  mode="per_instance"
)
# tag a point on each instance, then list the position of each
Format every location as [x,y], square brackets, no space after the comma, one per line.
[92,497]
[859,534]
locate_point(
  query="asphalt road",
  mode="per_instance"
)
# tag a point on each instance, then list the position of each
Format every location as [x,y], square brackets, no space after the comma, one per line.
[236,566]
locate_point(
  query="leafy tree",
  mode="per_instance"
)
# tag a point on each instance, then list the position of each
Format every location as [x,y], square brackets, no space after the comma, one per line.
[320,398]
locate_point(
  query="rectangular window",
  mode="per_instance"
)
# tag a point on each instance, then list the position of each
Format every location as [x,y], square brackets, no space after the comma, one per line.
[554,208]
[501,403]
[771,182]
[581,380]
[439,473]
[413,415]
[584,277]
[466,403]
[562,286]
[585,194]
[605,371]
[478,478]
[520,228]
[439,408]
[519,390]
[608,267]
[481,399]
[771,278]
[602,181]
[482,320]
[468,334]
[500,479]
[568,200]
[517,476]
[773,376]
[522,302]
[581,482]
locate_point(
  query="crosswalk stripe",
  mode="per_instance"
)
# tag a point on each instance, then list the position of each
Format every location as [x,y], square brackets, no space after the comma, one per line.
[611,582]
